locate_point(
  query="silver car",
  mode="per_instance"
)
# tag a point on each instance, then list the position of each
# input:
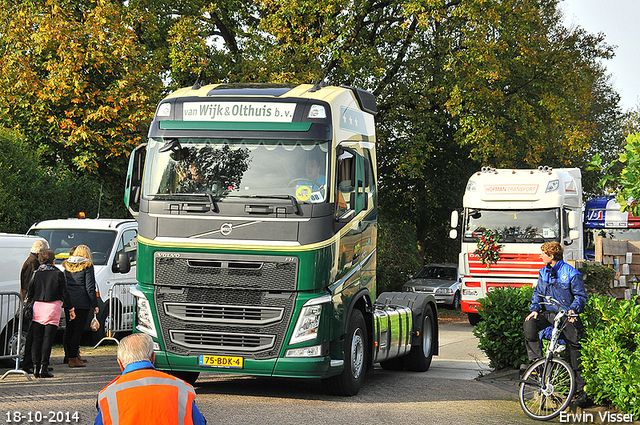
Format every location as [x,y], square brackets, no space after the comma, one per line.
[440,280]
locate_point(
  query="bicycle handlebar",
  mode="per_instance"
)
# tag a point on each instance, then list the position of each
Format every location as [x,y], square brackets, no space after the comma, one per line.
[552,301]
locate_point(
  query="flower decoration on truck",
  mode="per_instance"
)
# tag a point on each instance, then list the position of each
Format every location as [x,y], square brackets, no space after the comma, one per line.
[488,248]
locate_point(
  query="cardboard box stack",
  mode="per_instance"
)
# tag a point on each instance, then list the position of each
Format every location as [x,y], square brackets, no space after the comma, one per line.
[624,257]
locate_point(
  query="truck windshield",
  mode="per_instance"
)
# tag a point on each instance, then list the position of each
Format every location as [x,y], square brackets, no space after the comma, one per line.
[223,168]
[520,226]
[62,240]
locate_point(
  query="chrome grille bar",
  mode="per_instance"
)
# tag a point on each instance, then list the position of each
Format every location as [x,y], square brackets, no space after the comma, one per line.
[222,341]
[228,314]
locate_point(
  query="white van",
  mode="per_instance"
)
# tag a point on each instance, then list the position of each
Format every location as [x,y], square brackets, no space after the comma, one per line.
[14,250]
[113,245]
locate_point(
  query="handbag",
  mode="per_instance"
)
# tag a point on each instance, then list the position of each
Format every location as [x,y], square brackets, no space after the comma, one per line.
[27,311]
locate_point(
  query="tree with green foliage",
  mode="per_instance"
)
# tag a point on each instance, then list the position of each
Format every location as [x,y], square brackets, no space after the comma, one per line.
[459,84]
[626,183]
[23,185]
[30,192]
[77,84]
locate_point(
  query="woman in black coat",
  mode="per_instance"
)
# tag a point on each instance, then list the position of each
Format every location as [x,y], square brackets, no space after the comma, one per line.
[81,283]
[48,290]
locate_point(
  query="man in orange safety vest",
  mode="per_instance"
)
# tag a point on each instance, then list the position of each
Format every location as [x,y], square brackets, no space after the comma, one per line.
[143,395]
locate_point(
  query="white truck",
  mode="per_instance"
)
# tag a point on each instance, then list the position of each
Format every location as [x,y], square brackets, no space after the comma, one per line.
[14,250]
[526,208]
[113,245]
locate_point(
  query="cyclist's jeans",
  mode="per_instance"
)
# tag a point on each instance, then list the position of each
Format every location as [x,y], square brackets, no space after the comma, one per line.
[572,333]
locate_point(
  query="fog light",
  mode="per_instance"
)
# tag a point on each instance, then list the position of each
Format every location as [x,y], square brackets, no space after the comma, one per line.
[314,351]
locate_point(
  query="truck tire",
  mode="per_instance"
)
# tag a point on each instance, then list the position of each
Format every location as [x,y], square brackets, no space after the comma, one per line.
[190,377]
[348,383]
[474,318]
[420,356]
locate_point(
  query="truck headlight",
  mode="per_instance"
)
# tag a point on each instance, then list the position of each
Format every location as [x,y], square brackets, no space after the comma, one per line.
[470,292]
[144,317]
[309,320]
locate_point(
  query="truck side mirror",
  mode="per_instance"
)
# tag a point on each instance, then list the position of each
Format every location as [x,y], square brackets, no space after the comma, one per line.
[453,233]
[454,219]
[122,264]
[573,221]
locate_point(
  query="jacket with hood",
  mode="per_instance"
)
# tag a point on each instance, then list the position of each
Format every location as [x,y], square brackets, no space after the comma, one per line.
[81,284]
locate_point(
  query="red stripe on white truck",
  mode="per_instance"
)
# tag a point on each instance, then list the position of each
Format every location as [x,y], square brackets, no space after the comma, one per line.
[516,265]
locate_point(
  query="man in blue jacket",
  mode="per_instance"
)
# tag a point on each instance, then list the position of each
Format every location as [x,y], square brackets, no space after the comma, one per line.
[564,284]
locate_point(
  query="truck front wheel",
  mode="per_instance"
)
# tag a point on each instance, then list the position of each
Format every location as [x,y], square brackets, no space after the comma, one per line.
[419,358]
[190,377]
[348,383]
[474,318]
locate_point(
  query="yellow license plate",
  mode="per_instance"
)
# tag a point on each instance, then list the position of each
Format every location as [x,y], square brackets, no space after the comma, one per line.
[222,361]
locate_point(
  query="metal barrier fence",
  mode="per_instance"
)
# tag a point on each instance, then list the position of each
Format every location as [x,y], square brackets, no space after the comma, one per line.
[120,313]
[12,332]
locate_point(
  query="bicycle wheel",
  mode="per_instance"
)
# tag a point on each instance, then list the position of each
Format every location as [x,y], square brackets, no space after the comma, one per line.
[544,398]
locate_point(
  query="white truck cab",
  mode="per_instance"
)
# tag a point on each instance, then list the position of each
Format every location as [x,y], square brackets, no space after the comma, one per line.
[113,245]
[526,208]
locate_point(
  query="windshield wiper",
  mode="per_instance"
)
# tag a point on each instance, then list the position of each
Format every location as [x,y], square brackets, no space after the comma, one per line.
[214,205]
[294,201]
[170,196]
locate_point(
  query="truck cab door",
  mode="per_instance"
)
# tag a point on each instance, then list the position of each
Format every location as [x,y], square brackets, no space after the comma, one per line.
[133,184]
[351,181]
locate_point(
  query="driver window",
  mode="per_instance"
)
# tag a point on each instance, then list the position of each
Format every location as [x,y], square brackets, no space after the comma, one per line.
[345,184]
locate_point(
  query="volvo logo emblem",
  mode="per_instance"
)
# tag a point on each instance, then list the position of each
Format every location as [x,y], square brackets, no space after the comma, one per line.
[226,229]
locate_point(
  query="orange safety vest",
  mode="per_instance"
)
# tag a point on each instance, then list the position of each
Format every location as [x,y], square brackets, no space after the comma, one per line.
[146,396]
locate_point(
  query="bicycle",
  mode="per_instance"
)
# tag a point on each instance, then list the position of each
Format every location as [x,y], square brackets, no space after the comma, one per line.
[548,384]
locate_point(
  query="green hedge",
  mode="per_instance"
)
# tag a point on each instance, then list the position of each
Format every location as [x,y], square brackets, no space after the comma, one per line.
[610,347]
[611,353]
[500,332]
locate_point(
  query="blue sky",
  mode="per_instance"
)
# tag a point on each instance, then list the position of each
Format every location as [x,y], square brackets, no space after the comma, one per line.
[618,20]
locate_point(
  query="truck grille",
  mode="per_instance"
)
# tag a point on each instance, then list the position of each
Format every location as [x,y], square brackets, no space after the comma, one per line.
[195,320]
[274,273]
[424,289]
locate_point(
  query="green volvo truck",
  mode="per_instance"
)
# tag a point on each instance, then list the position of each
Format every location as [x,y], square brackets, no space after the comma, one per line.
[257,217]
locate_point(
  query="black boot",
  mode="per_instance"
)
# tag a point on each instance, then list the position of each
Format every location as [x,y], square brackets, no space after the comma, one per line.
[36,370]
[44,372]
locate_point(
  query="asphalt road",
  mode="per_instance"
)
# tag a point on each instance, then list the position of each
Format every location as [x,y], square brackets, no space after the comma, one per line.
[446,394]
